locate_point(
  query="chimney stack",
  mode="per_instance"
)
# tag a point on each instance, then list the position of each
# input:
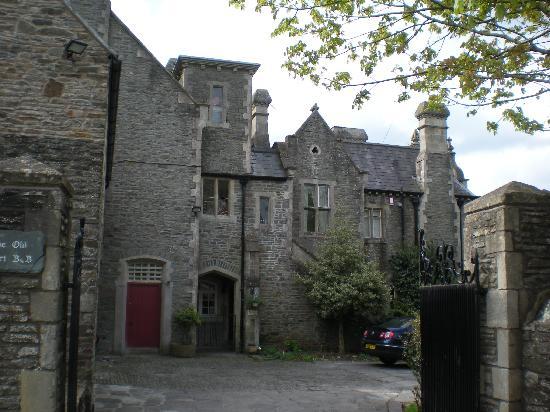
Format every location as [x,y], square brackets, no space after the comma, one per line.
[438,210]
[432,128]
[260,132]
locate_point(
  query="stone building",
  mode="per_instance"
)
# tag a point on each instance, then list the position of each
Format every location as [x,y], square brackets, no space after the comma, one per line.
[186,201]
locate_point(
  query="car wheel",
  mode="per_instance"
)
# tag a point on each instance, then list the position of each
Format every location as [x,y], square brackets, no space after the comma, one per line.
[388,361]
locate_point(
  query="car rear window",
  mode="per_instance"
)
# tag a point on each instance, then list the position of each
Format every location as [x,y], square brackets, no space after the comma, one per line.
[396,323]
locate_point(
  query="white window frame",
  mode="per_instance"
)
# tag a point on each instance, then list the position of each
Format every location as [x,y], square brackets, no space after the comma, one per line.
[316,208]
[202,293]
[369,222]
[216,196]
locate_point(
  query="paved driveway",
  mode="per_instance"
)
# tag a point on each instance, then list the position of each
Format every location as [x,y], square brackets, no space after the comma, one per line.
[232,382]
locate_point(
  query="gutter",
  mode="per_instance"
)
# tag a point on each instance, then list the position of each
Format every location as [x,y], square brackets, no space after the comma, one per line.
[243,182]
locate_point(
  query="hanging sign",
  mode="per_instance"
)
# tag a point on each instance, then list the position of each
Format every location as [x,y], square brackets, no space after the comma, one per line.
[21,252]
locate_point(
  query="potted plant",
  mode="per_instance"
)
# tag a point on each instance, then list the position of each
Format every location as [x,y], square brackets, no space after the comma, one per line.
[253,301]
[187,318]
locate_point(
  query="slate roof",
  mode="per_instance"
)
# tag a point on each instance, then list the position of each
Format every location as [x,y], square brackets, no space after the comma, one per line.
[461,190]
[388,167]
[267,164]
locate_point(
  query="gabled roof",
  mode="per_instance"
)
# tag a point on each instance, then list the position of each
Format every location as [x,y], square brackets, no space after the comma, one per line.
[388,167]
[267,164]
[314,120]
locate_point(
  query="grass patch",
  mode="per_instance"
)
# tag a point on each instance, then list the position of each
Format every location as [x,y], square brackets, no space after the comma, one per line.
[412,407]
[271,353]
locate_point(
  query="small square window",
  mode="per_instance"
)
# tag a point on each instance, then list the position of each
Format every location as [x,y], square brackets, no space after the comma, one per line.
[264,210]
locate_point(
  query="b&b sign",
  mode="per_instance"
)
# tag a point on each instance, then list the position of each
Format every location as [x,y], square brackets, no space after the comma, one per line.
[21,252]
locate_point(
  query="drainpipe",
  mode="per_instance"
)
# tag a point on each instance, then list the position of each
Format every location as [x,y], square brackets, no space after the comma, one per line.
[402,219]
[415,202]
[243,182]
[461,231]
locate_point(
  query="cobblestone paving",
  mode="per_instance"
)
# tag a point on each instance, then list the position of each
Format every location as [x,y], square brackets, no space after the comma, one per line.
[232,382]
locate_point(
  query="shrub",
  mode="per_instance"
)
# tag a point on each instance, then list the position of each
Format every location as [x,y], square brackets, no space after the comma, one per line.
[405,281]
[187,317]
[413,356]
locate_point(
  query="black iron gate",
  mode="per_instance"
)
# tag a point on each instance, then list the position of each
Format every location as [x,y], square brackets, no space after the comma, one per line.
[72,366]
[449,319]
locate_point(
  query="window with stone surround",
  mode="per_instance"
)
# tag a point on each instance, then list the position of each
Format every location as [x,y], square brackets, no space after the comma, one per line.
[215,196]
[373,223]
[145,270]
[264,210]
[207,298]
[316,208]
[217,105]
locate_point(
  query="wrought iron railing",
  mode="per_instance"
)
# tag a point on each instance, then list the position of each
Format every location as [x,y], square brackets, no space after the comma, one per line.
[444,270]
[72,367]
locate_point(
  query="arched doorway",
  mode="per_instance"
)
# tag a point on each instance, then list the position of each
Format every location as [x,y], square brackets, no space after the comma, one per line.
[216,306]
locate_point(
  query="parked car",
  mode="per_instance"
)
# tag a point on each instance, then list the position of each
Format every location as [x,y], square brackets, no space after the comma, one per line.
[387,340]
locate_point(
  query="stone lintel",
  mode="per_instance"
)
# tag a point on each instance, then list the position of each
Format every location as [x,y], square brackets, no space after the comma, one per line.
[38,391]
[499,241]
[509,406]
[509,348]
[502,309]
[506,384]
[509,270]
[51,275]
[46,306]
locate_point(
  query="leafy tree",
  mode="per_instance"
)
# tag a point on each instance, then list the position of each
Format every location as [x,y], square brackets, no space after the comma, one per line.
[341,283]
[405,281]
[470,52]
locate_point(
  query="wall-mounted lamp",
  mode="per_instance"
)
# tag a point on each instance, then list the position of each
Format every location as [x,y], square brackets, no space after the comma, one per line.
[196,210]
[74,47]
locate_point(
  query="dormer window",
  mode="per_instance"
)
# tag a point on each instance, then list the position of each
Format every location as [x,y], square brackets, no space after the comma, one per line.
[216,105]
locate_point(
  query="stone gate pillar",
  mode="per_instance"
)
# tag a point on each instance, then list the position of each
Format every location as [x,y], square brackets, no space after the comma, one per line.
[509,227]
[34,207]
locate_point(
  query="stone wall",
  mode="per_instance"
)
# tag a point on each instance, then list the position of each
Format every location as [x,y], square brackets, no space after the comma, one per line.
[439,213]
[380,250]
[226,147]
[55,110]
[284,313]
[509,228]
[34,202]
[149,201]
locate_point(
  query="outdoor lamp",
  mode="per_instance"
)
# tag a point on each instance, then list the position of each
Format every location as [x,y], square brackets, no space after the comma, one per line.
[74,47]
[196,210]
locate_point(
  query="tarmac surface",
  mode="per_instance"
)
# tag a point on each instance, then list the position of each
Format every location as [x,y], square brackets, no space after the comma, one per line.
[234,382]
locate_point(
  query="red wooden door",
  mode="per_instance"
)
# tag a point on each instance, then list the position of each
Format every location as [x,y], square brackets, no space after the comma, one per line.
[143,315]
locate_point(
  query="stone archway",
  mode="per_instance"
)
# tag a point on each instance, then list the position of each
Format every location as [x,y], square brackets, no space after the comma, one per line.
[222,279]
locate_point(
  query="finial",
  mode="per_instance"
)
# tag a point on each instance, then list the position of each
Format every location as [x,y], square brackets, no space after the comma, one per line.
[314,108]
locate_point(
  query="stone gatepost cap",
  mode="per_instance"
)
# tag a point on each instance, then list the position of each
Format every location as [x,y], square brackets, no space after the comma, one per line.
[424,110]
[27,170]
[261,98]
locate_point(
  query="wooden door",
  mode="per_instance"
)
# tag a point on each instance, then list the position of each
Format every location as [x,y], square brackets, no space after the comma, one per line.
[143,315]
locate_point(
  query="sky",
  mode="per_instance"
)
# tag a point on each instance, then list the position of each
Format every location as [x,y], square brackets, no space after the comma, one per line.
[210,28]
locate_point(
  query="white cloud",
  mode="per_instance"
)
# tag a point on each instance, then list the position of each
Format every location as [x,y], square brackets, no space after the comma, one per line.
[210,28]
